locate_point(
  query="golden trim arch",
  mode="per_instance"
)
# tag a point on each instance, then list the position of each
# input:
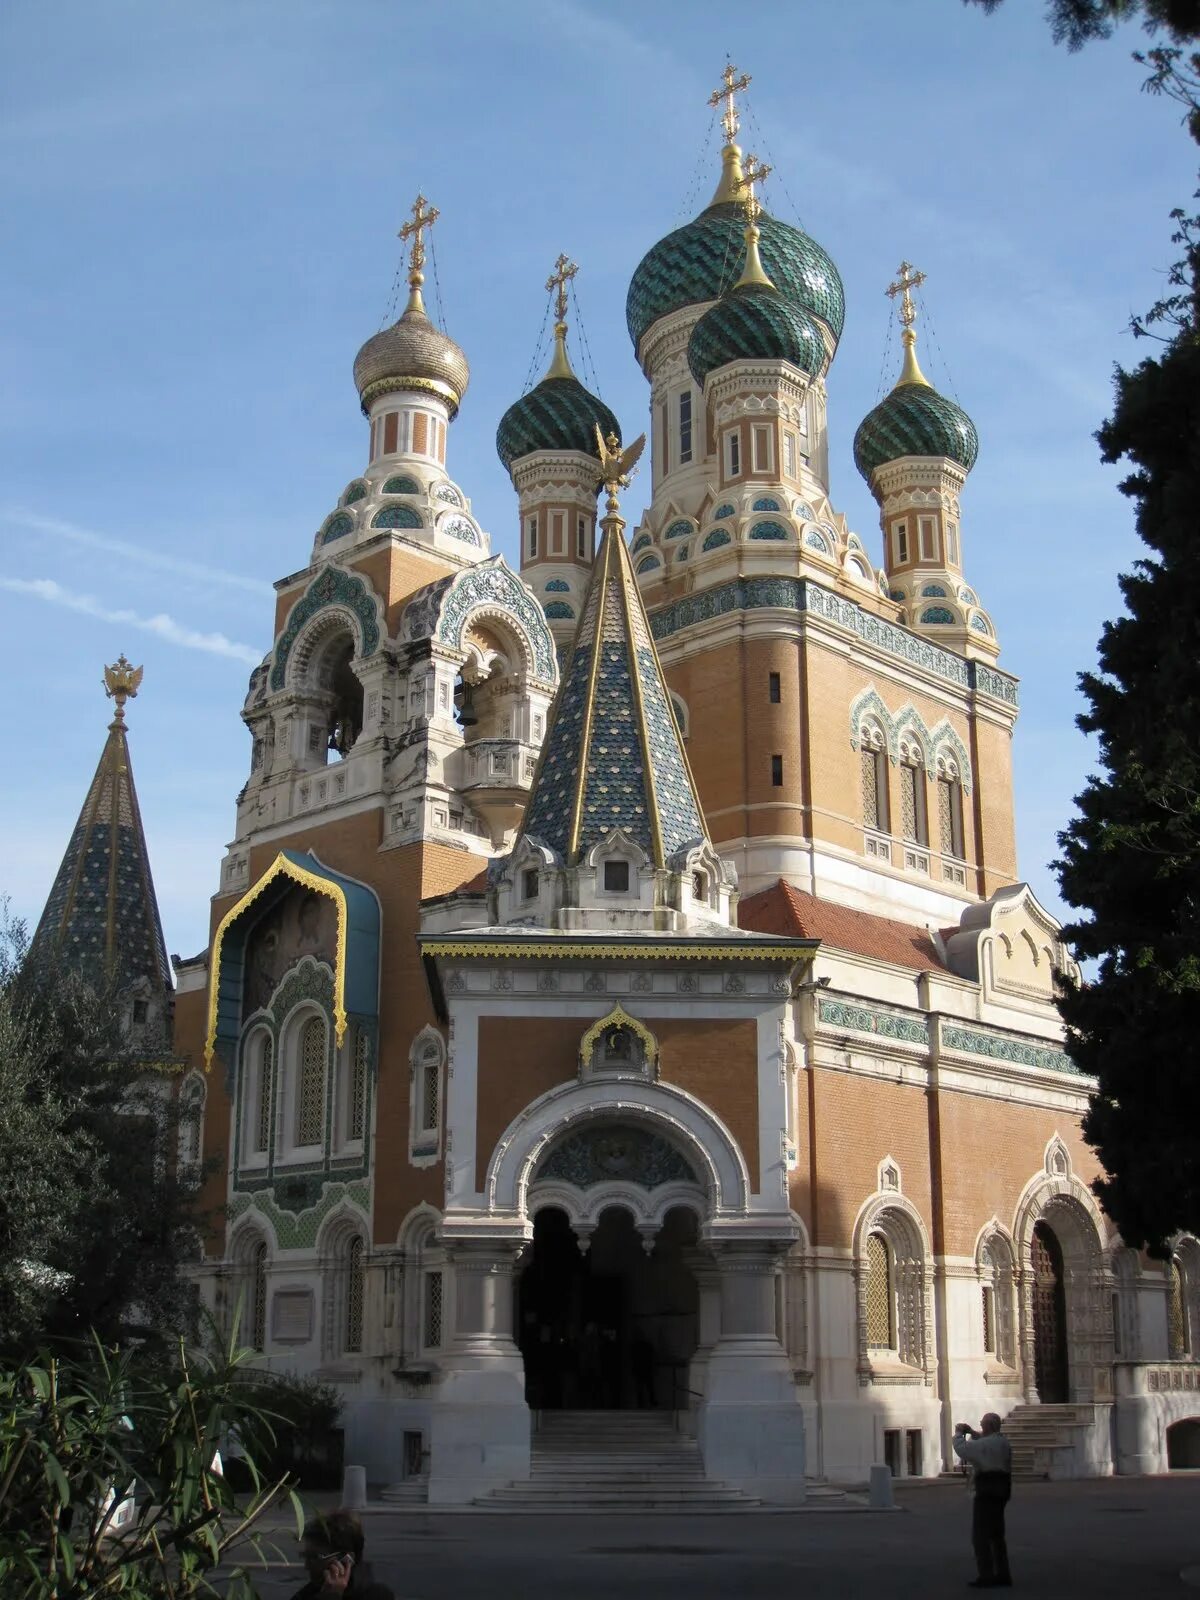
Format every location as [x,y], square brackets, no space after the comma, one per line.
[618,1017]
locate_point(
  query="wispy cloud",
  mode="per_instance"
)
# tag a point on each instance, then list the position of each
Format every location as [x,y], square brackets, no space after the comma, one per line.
[54,527]
[164,626]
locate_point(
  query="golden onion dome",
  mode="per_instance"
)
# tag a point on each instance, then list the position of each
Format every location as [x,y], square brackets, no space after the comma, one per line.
[412,354]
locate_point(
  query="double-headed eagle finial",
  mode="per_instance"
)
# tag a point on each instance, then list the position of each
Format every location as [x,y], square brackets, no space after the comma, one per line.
[616,465]
[121,683]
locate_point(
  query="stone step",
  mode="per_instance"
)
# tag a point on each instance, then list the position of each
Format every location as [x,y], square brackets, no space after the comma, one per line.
[408,1492]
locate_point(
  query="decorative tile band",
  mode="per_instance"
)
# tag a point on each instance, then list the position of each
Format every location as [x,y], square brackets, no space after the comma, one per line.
[798,594]
[295,1230]
[1004,1047]
[866,1019]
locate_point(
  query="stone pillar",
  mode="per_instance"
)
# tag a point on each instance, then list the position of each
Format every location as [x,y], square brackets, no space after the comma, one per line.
[751,1426]
[708,1289]
[479,1422]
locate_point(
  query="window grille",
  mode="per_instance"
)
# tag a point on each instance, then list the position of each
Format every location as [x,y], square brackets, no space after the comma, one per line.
[774,689]
[1177,1329]
[881,1321]
[262,1121]
[685,427]
[433,1311]
[949,797]
[310,1091]
[789,454]
[358,1084]
[430,1084]
[734,454]
[354,1296]
[989,1319]
[258,1298]
[912,820]
[872,811]
[777,772]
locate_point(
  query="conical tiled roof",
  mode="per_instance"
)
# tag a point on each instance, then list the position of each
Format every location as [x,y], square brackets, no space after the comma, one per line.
[613,757]
[102,916]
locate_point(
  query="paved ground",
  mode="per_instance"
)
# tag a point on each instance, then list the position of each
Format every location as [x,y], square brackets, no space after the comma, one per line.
[1124,1536]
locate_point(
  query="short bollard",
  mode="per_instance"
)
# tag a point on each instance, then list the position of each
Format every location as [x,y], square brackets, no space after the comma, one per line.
[354,1488]
[881,1489]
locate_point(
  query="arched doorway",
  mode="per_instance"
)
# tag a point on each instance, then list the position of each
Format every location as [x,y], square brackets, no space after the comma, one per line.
[607,1326]
[1183,1444]
[1049,1316]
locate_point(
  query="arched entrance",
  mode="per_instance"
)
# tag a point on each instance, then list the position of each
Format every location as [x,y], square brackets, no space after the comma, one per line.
[601,1322]
[1049,1316]
[1183,1444]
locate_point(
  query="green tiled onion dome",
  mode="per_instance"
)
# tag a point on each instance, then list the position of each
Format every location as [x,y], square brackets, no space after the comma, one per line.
[701,260]
[558,414]
[914,420]
[754,323]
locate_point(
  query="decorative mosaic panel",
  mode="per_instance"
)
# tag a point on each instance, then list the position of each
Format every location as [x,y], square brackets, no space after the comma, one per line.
[998,684]
[459,528]
[766,503]
[816,541]
[610,1153]
[712,541]
[332,587]
[933,591]
[769,530]
[678,530]
[492,582]
[867,1019]
[448,493]
[336,527]
[396,517]
[558,586]
[1003,1047]
[724,510]
[354,492]
[937,614]
[402,486]
[297,1228]
[640,543]
[979,624]
[648,563]
[805,511]
[558,611]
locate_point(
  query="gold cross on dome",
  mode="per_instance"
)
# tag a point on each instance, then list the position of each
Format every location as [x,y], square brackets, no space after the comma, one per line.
[907,279]
[753,171]
[731,85]
[564,270]
[423,216]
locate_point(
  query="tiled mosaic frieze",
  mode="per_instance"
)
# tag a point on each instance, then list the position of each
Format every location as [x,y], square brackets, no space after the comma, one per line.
[798,594]
[604,1154]
[298,1206]
[1003,1047]
[332,587]
[492,581]
[867,1019]
[308,980]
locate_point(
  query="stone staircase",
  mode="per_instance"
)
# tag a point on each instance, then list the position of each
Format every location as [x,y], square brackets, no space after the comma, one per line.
[626,1461]
[408,1492]
[1037,1432]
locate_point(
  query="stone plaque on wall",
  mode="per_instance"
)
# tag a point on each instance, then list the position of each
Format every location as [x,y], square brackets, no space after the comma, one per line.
[292,1316]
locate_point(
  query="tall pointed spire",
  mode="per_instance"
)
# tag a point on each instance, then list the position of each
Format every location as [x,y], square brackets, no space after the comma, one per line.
[613,756]
[102,916]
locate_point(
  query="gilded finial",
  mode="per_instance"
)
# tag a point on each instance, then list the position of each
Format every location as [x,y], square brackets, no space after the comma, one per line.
[556,284]
[753,272]
[121,683]
[423,216]
[731,85]
[908,279]
[616,465]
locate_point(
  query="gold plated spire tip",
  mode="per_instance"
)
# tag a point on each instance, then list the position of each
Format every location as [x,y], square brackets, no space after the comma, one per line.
[907,279]
[556,284]
[731,85]
[121,683]
[753,273]
[423,216]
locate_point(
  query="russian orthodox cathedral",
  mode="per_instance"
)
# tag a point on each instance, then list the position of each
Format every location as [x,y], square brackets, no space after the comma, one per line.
[621,996]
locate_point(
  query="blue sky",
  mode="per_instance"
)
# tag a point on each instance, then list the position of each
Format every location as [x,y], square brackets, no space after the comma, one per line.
[200,206]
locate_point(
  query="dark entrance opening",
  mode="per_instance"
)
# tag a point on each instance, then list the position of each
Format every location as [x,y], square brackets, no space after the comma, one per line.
[1049,1317]
[611,1327]
[1183,1444]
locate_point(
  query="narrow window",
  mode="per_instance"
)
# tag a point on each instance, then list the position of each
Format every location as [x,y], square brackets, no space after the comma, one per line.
[762,449]
[989,1319]
[789,455]
[733,455]
[685,427]
[665,435]
[389,433]
[949,796]
[952,544]
[533,538]
[928,544]
[354,1296]
[777,772]
[874,789]
[556,534]
[774,694]
[258,1298]
[1177,1319]
[357,1119]
[881,1304]
[310,1087]
[901,532]
[1116,1324]
[616,877]
[529,884]
[581,538]
[432,1320]
[429,1088]
[912,811]
[262,1117]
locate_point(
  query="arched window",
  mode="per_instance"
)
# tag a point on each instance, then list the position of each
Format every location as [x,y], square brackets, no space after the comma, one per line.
[310,1083]
[353,1311]
[996,1296]
[872,750]
[426,1060]
[262,1080]
[913,823]
[356,1119]
[950,807]
[256,1299]
[880,1294]
[191,1126]
[1178,1330]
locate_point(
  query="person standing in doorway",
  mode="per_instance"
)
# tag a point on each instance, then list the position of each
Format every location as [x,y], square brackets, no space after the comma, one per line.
[989,1455]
